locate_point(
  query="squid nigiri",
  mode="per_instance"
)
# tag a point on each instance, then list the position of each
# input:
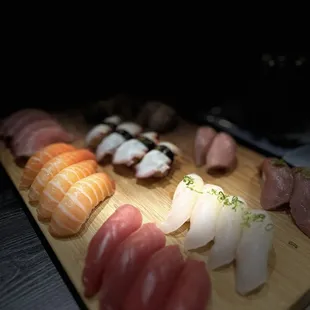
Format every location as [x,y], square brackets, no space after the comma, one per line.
[157,162]
[131,151]
[97,133]
[227,232]
[183,202]
[253,251]
[78,203]
[204,216]
[123,132]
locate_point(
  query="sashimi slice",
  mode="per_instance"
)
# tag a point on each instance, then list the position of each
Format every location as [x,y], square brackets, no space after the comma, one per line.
[152,287]
[58,186]
[123,222]
[78,203]
[204,216]
[183,202]
[192,290]
[253,251]
[54,166]
[38,160]
[228,232]
[126,264]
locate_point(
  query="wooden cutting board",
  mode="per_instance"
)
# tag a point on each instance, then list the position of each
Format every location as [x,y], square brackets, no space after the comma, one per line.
[289,264]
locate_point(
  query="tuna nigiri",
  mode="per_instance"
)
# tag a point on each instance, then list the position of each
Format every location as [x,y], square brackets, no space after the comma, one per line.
[97,133]
[204,216]
[39,159]
[253,251]
[133,150]
[76,206]
[183,202]
[122,223]
[153,285]
[127,262]
[54,166]
[60,184]
[109,144]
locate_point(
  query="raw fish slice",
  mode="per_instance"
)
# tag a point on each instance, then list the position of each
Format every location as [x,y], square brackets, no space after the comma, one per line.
[57,187]
[97,133]
[157,162]
[183,202]
[228,232]
[192,290]
[253,251]
[78,203]
[154,283]
[127,262]
[54,166]
[204,216]
[109,144]
[122,223]
[133,150]
[38,160]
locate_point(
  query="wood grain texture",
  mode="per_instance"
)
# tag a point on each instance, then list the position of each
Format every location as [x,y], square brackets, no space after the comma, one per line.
[289,263]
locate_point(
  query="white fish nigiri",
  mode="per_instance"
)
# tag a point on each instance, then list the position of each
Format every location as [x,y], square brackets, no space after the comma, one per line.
[204,216]
[227,232]
[253,251]
[157,162]
[183,201]
[97,133]
[123,132]
[131,151]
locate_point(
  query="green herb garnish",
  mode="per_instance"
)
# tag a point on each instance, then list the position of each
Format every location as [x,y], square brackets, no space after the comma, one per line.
[305,172]
[189,181]
[278,162]
[234,202]
[248,217]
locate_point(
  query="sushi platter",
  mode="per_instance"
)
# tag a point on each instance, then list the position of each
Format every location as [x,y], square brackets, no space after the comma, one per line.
[289,260]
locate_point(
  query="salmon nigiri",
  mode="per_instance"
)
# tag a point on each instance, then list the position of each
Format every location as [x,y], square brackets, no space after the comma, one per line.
[78,203]
[39,159]
[54,166]
[56,189]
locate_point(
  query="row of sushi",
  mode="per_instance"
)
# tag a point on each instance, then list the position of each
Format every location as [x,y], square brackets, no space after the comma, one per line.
[65,186]
[29,130]
[129,146]
[130,267]
[239,233]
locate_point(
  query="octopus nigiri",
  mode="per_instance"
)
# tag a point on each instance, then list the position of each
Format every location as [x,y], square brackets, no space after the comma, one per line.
[183,202]
[132,151]
[122,133]
[78,203]
[157,162]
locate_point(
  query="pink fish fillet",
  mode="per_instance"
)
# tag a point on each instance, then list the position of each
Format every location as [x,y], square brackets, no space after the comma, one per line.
[123,222]
[192,290]
[155,282]
[127,262]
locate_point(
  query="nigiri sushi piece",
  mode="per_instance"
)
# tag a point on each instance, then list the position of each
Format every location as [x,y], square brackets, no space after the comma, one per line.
[97,133]
[153,285]
[192,290]
[54,166]
[123,132]
[227,232]
[253,251]
[78,203]
[204,216]
[39,159]
[157,162]
[127,262]
[133,150]
[183,202]
[57,187]
[121,224]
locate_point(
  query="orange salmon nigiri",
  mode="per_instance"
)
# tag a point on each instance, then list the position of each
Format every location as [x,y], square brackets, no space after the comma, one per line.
[78,203]
[39,159]
[56,189]
[54,166]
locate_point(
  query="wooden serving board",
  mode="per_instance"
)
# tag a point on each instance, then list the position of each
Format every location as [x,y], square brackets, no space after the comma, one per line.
[289,264]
